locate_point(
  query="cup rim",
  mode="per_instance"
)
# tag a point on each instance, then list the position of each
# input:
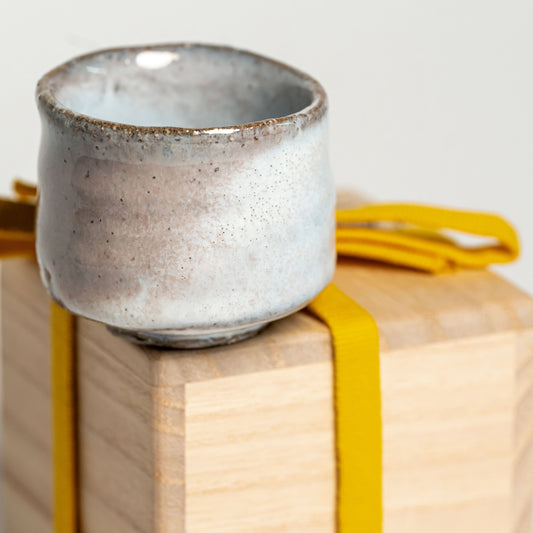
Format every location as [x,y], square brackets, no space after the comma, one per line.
[309,114]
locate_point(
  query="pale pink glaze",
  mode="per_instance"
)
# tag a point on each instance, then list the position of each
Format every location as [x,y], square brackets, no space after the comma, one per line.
[183,223]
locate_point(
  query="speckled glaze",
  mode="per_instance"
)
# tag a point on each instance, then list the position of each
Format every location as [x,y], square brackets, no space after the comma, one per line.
[185,191]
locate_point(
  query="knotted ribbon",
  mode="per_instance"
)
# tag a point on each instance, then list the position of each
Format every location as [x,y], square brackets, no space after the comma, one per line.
[404,235]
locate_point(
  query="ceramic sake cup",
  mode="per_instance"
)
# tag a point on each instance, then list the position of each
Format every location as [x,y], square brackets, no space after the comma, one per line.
[185,192]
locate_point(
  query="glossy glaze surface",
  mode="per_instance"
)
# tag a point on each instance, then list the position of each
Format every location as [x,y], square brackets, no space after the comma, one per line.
[183,188]
[190,88]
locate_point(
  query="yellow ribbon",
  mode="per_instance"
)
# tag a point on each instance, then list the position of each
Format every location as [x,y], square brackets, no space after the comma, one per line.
[64,413]
[357,394]
[405,235]
[414,240]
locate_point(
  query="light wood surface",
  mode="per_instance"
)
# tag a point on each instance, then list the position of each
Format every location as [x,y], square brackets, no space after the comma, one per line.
[240,438]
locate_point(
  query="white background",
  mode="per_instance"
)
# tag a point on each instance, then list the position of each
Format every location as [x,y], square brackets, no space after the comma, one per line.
[431,101]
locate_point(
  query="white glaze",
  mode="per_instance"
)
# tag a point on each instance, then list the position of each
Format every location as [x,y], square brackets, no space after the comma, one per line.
[196,87]
[184,230]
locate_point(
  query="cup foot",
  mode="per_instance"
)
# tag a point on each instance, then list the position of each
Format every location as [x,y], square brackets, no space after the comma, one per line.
[188,340]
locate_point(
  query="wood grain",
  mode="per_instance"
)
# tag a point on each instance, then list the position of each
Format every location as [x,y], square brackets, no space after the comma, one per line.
[448,447]
[240,438]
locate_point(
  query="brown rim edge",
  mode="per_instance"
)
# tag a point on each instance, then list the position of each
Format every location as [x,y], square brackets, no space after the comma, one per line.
[314,111]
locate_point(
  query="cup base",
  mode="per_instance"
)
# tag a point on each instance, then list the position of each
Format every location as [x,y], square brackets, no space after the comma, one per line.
[187,340]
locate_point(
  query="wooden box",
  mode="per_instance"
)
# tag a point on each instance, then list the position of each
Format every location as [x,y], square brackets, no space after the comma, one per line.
[239,439]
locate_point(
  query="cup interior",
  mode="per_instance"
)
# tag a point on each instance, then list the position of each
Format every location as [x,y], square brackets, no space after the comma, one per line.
[184,86]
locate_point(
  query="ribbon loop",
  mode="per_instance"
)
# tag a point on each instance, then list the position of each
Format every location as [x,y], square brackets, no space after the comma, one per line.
[414,239]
